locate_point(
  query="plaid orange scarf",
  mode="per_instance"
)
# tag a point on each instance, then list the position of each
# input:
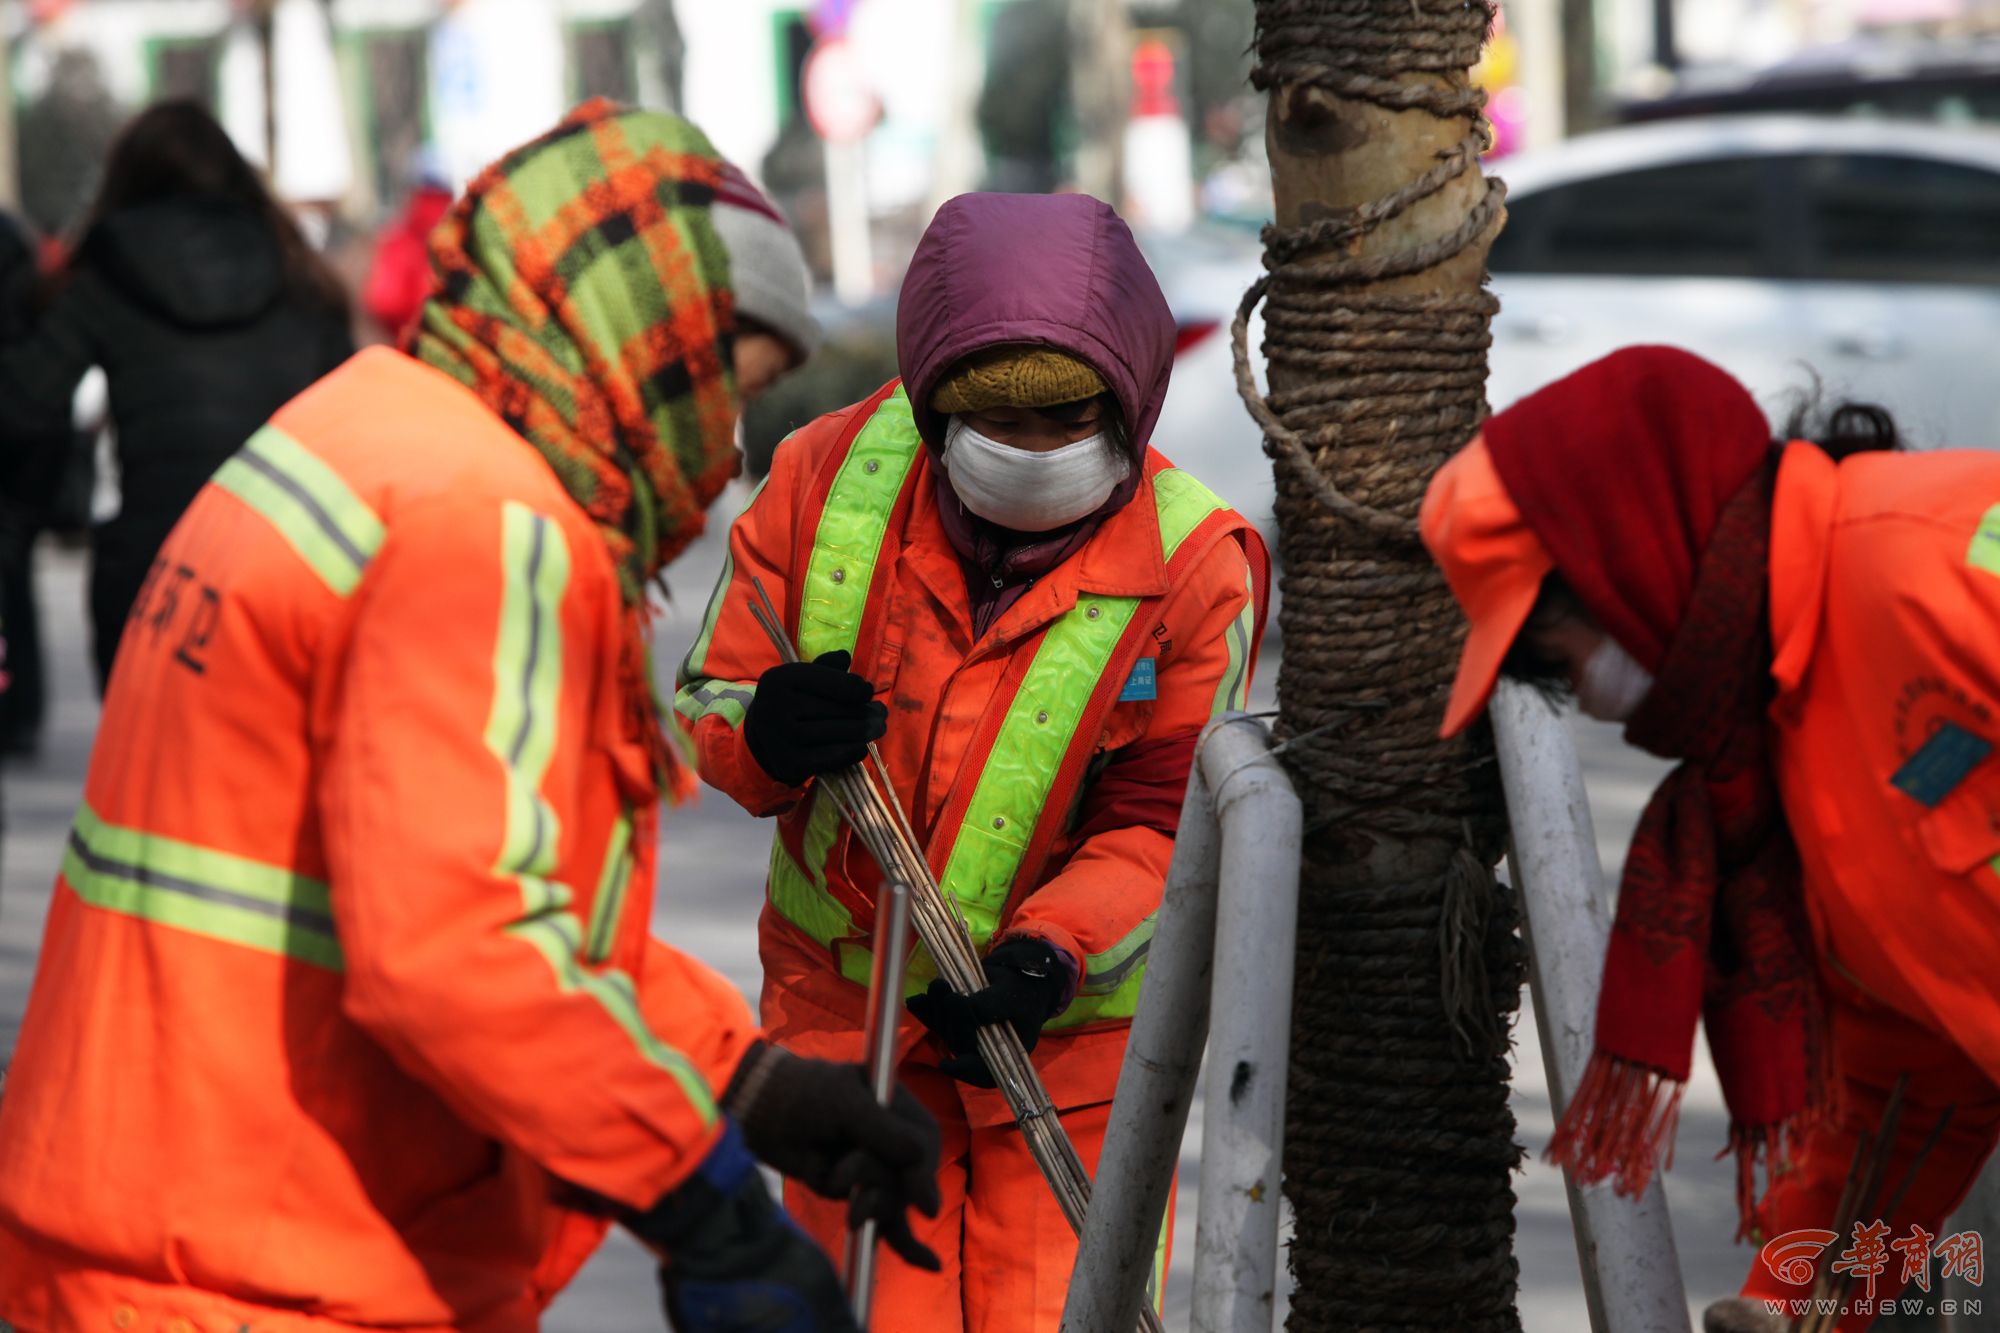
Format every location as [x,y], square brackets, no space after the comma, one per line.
[582,293]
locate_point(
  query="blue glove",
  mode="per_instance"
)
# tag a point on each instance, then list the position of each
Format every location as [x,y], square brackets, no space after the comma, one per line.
[734,1262]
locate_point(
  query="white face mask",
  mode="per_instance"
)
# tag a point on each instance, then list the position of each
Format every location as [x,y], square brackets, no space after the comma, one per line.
[1613,684]
[1027,491]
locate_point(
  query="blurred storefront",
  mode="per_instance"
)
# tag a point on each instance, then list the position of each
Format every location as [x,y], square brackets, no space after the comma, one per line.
[359,91]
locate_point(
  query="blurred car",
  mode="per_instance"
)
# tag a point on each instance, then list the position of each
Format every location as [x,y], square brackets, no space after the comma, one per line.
[1881,75]
[1867,254]
[1203,425]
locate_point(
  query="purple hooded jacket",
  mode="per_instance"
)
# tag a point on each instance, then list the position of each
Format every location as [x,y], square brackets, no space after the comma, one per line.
[1060,270]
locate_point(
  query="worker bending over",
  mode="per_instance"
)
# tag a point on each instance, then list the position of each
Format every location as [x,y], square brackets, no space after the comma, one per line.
[1810,628]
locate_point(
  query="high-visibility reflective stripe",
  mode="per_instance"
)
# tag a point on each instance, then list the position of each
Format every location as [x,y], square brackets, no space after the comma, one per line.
[559,937]
[612,881]
[1027,753]
[201,890]
[696,696]
[1183,504]
[696,662]
[1984,553]
[1107,971]
[521,733]
[1111,980]
[1156,1288]
[317,513]
[527,683]
[1233,690]
[803,903]
[726,699]
[851,527]
[799,891]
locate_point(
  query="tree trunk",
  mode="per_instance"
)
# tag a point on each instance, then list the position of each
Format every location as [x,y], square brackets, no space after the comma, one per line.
[1399,1143]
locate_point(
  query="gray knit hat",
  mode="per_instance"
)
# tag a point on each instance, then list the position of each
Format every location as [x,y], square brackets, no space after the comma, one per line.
[767,268]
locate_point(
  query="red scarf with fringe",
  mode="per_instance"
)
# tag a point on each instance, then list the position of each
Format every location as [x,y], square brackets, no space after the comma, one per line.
[1649,477]
[1710,920]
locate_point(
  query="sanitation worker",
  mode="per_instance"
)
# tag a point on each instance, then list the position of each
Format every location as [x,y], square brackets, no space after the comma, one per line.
[1810,628]
[987,571]
[346,1015]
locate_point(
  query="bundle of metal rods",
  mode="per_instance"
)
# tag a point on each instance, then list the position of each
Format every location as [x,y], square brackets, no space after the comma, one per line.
[1859,1200]
[868,803]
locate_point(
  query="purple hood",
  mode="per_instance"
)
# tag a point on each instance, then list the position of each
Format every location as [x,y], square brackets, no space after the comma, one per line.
[1057,269]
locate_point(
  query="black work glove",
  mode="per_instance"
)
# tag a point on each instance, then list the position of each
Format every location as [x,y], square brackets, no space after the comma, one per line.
[1025,983]
[734,1263]
[818,1122]
[815,717]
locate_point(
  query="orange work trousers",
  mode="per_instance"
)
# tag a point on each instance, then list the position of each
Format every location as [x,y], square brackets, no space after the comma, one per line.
[1872,1047]
[1006,1250]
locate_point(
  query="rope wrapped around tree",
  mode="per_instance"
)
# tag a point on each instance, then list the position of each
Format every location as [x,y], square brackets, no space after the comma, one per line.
[1400,1143]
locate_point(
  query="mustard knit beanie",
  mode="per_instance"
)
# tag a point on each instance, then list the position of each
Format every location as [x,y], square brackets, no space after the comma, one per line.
[1017,376]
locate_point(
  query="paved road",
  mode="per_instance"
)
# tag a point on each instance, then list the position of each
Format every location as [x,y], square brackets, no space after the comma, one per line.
[708,901]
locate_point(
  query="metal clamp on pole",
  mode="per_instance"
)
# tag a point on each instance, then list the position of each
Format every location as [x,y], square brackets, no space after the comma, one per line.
[885,1012]
[1631,1272]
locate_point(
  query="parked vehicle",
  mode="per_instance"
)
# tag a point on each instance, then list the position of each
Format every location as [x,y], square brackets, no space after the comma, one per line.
[1867,253]
[1879,75]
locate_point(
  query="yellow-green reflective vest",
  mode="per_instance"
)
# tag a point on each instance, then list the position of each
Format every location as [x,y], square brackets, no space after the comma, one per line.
[1037,738]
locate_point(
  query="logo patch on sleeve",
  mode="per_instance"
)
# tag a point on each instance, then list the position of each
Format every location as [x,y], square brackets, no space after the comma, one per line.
[1940,764]
[1143,683]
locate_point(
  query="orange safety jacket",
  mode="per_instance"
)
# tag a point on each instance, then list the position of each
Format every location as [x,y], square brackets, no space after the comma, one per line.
[1885,618]
[348,962]
[1145,634]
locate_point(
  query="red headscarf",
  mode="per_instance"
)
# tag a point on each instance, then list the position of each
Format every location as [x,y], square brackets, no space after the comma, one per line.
[1648,476]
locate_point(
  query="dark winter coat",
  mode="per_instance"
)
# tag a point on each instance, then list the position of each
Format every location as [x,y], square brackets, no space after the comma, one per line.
[186,306]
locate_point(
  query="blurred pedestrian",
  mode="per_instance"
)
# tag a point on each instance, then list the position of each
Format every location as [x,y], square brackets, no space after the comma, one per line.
[988,570]
[399,277]
[27,485]
[347,1015]
[767,269]
[1810,628]
[195,291]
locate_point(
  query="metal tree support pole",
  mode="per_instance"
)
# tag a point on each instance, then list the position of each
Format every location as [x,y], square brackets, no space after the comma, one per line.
[1135,1174]
[1227,927]
[1256,941]
[1626,1249]
[885,1011]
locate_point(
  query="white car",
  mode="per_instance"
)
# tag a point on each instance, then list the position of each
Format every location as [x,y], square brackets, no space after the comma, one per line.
[1779,247]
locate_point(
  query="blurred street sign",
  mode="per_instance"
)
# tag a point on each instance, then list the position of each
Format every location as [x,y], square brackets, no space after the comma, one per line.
[830,18]
[840,102]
